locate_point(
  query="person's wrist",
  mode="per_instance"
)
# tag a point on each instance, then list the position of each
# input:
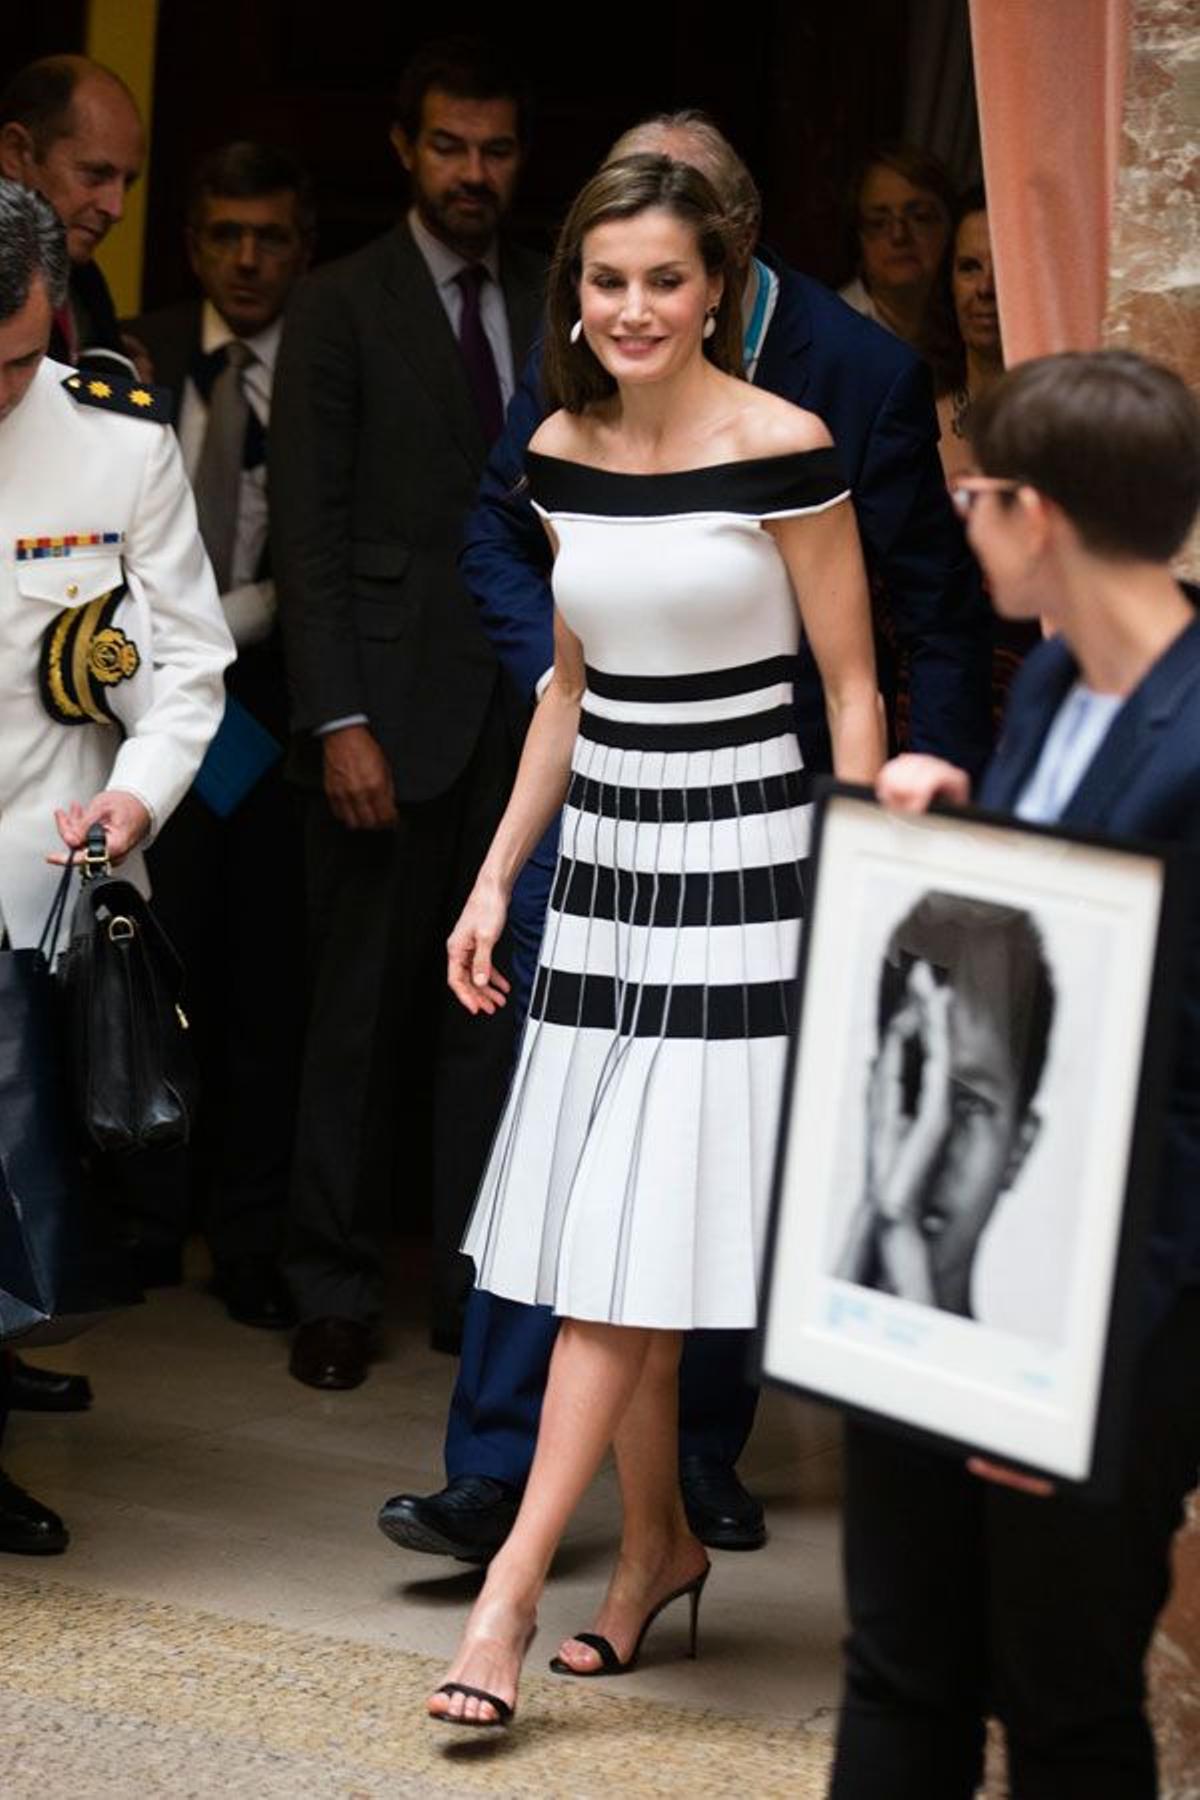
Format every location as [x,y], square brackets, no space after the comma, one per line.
[491,884]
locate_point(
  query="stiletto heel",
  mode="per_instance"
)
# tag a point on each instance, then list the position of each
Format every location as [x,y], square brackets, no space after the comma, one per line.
[610,1662]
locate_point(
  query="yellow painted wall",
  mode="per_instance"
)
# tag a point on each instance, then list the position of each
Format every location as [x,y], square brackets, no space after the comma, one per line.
[121,33]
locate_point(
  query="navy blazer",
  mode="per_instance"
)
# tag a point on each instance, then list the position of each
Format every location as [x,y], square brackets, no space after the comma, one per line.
[1143,783]
[875,396]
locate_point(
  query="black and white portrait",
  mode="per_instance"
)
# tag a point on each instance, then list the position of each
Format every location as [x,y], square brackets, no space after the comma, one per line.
[964,1010]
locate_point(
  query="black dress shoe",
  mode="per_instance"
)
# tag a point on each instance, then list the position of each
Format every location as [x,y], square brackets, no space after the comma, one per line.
[26,1526]
[45,1390]
[719,1510]
[331,1353]
[254,1293]
[470,1518]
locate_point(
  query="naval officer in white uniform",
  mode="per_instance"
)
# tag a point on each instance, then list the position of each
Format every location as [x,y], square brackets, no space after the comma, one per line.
[112,638]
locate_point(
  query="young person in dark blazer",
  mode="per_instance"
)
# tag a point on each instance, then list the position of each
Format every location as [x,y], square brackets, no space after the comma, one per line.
[395,368]
[975,1590]
[217,875]
[876,398]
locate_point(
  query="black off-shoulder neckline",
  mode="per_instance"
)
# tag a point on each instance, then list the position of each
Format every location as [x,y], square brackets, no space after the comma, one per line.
[790,480]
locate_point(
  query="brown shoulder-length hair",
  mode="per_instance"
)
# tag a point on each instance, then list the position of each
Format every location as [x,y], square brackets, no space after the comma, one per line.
[572,374]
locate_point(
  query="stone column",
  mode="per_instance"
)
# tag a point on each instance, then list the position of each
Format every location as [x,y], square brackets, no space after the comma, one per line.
[1154,264]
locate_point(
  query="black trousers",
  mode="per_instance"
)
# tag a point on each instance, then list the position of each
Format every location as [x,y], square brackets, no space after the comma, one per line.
[381,905]
[966,1599]
[229,893]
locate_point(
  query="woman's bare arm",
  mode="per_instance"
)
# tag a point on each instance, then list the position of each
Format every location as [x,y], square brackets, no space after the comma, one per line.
[824,560]
[537,797]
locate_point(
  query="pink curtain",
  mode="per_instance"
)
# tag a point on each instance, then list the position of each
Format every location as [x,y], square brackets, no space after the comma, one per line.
[1050,76]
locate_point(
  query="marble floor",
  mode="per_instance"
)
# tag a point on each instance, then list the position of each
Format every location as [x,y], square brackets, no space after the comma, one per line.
[204,1477]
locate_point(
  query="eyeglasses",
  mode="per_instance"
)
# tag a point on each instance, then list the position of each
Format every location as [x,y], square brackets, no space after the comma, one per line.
[918,215]
[964,493]
[226,237]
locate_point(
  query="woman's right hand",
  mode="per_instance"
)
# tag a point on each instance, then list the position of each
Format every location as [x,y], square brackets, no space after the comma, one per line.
[912,783]
[474,979]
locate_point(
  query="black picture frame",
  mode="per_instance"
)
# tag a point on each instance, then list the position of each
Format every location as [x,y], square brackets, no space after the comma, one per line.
[905,1281]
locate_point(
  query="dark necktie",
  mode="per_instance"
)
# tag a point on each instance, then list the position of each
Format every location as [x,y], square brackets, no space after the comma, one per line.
[217,482]
[477,353]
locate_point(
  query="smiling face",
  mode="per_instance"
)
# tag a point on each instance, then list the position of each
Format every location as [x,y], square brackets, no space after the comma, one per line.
[902,232]
[463,165]
[85,174]
[973,284]
[23,342]
[643,295]
[247,254]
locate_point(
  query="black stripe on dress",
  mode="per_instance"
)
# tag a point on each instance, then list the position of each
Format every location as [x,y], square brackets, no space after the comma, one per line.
[793,482]
[690,805]
[752,1009]
[699,734]
[705,684]
[758,896]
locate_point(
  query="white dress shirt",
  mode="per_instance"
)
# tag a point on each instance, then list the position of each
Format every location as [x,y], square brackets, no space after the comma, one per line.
[249,604]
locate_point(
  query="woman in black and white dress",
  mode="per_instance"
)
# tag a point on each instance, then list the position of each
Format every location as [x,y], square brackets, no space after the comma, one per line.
[697,524]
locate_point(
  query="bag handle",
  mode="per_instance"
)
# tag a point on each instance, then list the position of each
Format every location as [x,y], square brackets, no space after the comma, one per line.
[93,862]
[47,947]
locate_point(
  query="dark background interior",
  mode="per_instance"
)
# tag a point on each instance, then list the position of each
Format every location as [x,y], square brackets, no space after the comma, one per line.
[801,88]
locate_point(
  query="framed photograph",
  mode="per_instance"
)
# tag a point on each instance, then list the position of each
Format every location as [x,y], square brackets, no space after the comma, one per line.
[970,1130]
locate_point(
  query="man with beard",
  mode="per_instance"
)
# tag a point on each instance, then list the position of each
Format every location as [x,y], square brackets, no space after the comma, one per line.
[396,365]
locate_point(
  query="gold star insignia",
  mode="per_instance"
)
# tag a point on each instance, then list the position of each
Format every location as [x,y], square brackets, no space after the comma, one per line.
[101,389]
[140,397]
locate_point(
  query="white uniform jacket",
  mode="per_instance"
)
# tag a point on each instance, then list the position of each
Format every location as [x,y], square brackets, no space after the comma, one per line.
[91,500]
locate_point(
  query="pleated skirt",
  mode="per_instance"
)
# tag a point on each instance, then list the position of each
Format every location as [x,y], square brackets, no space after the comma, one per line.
[630,1175]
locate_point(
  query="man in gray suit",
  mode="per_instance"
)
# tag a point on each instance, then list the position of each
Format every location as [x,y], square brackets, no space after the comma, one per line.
[396,365]
[216,867]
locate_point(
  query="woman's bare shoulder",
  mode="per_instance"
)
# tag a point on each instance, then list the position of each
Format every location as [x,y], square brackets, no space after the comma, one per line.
[561,434]
[770,426]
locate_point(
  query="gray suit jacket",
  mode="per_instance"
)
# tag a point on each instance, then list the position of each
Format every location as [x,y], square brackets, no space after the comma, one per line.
[375,456]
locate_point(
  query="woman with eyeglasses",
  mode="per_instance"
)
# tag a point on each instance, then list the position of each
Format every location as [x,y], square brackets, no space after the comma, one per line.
[902,204]
[971,1589]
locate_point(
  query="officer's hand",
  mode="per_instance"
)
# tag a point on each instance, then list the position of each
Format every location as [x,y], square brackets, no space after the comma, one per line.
[358,779]
[124,817]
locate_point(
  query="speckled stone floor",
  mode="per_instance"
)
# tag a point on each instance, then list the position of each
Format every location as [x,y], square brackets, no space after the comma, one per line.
[229,1621]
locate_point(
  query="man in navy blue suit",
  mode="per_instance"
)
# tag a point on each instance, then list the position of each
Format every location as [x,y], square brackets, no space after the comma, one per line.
[875,395]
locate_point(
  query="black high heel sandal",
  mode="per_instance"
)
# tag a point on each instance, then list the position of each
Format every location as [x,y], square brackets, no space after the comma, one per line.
[610,1662]
[505,1714]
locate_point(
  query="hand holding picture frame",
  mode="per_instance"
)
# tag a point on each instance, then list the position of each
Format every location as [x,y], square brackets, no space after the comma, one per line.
[970,1131]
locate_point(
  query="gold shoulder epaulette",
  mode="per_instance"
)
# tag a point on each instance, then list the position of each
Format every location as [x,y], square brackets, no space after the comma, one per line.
[134,399]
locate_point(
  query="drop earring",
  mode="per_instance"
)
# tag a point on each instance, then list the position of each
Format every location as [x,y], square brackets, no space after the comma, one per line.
[576,331]
[710,322]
